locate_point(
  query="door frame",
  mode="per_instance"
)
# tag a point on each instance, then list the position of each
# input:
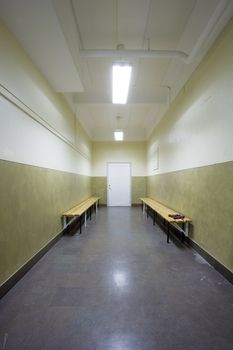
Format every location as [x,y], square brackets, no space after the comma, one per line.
[130,184]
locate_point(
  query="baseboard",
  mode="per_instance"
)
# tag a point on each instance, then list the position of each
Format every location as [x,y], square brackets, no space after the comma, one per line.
[6,286]
[211,260]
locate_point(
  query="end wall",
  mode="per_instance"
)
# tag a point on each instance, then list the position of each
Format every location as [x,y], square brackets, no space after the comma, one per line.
[132,152]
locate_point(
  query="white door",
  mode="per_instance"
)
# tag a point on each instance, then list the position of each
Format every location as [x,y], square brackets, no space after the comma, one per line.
[119,184]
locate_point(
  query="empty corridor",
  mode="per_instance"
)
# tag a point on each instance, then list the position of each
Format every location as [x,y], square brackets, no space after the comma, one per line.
[119,286]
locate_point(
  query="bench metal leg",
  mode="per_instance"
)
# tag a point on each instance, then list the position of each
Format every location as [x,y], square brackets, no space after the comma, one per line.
[64,221]
[143,208]
[182,233]
[186,228]
[80,224]
[153,217]
[85,219]
[168,231]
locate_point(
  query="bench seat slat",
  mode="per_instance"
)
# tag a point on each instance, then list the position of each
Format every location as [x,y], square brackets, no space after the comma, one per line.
[164,211]
[79,209]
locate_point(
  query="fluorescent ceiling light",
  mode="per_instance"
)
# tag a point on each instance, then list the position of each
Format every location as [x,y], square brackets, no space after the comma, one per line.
[120,82]
[118,135]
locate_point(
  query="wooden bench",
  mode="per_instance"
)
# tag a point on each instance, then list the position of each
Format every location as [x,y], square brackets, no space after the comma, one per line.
[84,207]
[167,213]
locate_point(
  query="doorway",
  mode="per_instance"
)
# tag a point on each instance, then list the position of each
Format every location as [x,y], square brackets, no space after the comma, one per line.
[119,184]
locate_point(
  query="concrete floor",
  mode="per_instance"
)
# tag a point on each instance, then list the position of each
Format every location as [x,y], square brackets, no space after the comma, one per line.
[119,286]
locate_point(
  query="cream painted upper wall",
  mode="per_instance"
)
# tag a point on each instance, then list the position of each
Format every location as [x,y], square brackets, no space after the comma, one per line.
[198,128]
[37,125]
[133,152]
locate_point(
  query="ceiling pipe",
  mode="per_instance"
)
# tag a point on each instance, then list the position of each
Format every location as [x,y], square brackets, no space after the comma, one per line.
[225,8]
[135,53]
[121,52]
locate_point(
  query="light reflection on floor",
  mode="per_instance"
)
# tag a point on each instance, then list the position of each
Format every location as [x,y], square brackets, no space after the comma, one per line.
[120,278]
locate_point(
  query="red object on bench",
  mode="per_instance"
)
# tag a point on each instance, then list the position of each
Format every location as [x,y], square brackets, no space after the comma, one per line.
[176,216]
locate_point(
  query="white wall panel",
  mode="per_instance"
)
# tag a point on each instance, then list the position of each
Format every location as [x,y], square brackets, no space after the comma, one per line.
[23,140]
[198,129]
[37,127]
[23,80]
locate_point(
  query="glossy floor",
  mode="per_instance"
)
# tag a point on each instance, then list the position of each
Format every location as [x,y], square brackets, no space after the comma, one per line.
[119,286]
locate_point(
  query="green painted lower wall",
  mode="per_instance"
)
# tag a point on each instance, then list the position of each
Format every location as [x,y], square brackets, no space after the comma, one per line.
[99,188]
[139,188]
[205,194]
[32,200]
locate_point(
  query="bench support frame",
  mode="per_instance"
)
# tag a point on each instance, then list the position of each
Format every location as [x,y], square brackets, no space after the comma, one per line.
[184,230]
[68,219]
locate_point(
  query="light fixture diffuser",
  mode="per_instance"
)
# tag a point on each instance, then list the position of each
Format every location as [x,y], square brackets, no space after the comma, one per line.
[121,74]
[118,135]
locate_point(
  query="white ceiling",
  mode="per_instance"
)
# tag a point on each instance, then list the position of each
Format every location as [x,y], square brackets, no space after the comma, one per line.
[55,33]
